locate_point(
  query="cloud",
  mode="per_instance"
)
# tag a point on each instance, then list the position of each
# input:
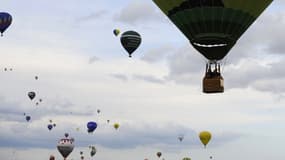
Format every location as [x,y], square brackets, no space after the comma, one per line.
[137,12]
[120,77]
[93,59]
[149,78]
[158,54]
[93,16]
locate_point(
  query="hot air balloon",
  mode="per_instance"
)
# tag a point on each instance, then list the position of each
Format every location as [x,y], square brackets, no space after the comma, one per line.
[130,40]
[5,21]
[211,157]
[205,137]
[28,118]
[54,125]
[98,111]
[158,154]
[116,32]
[180,138]
[36,77]
[51,157]
[93,150]
[91,126]
[32,95]
[65,146]
[213,27]
[108,121]
[116,125]
[186,158]
[50,127]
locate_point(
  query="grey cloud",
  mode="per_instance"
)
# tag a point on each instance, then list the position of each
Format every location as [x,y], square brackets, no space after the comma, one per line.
[120,77]
[93,59]
[149,78]
[126,137]
[137,11]
[158,54]
[93,16]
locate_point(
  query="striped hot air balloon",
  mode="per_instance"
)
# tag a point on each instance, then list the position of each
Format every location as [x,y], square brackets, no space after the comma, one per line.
[130,40]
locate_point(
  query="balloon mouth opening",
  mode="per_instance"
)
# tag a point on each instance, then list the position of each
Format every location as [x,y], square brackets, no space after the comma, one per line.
[210,45]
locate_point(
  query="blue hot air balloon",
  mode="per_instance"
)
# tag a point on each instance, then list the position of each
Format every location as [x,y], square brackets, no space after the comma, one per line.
[28,118]
[5,21]
[91,126]
[50,126]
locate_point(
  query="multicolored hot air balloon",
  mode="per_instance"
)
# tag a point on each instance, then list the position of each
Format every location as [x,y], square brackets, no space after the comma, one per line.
[130,40]
[205,137]
[65,146]
[5,21]
[213,27]
[116,32]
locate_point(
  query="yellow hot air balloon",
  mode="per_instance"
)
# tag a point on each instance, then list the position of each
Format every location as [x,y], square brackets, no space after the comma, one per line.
[116,126]
[205,137]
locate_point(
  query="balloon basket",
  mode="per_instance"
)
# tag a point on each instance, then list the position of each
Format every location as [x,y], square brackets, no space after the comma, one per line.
[213,84]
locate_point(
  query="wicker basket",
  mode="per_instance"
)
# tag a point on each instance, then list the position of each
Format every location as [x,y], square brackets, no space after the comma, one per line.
[213,84]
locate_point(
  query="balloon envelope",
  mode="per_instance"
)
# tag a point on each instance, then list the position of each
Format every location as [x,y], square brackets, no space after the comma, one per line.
[130,40]
[116,125]
[31,95]
[5,21]
[50,126]
[116,32]
[91,126]
[28,118]
[205,137]
[213,26]
[65,147]
[158,154]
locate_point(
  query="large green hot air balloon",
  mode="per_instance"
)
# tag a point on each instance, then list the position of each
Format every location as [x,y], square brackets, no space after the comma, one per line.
[213,26]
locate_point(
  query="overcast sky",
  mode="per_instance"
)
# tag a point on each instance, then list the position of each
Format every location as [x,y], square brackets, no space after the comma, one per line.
[155,96]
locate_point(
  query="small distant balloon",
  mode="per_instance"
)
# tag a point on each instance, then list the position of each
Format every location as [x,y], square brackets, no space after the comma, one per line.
[180,138]
[211,157]
[98,111]
[91,126]
[158,154]
[130,40]
[5,69]
[93,150]
[108,121]
[66,135]
[28,118]
[51,157]
[31,95]
[36,77]
[40,100]
[54,125]
[50,127]
[116,32]
[81,152]
[205,137]
[116,125]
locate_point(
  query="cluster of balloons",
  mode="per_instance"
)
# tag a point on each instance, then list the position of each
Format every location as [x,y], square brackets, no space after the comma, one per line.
[130,40]
[6,69]
[51,125]
[27,117]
